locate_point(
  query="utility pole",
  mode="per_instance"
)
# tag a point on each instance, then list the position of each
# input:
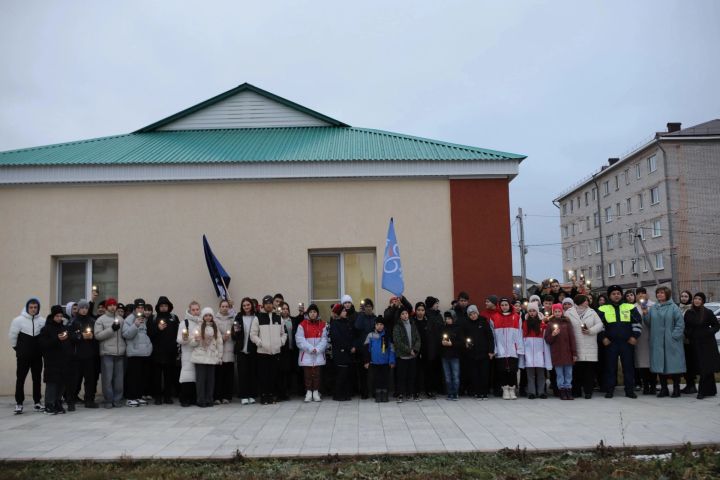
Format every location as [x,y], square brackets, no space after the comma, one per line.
[523,252]
[647,257]
[636,260]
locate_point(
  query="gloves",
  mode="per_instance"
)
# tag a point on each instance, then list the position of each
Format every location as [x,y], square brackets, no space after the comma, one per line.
[116,326]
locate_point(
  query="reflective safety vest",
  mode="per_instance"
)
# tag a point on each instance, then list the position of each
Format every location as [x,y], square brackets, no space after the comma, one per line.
[625,312]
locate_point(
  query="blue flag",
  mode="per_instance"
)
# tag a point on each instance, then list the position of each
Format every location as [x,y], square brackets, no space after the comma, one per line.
[218,275]
[392,279]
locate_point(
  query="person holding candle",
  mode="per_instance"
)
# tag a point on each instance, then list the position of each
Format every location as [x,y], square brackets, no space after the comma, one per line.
[163,332]
[139,350]
[245,352]
[479,349]
[508,348]
[188,329]
[536,357]
[86,353]
[430,359]
[207,354]
[225,371]
[586,325]
[268,334]
[380,359]
[407,343]
[56,345]
[686,303]
[563,350]
[112,354]
[311,339]
[451,344]
[648,380]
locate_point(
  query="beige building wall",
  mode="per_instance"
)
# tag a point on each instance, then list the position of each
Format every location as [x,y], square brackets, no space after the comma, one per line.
[260,231]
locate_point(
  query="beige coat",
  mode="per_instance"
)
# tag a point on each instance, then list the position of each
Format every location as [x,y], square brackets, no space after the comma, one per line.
[586,344]
[207,351]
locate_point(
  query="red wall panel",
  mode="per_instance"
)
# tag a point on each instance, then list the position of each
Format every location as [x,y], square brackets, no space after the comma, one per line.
[482,256]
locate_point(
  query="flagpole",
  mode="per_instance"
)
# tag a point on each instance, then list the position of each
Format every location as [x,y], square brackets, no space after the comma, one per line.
[227,292]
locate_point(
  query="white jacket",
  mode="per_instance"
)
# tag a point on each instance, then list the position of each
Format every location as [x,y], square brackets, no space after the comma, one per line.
[26,324]
[187,368]
[208,351]
[586,344]
[225,325]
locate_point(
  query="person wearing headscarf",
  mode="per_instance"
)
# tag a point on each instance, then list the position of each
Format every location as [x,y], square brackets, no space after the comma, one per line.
[701,325]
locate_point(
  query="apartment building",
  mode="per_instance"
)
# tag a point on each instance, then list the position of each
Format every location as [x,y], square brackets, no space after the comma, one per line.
[666,193]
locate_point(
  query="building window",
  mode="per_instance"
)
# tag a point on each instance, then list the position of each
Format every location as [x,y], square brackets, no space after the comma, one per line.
[598,272]
[652,164]
[590,272]
[589,250]
[637,171]
[622,267]
[628,206]
[617,183]
[606,188]
[572,204]
[656,232]
[617,210]
[641,233]
[644,264]
[580,226]
[654,195]
[79,276]
[573,229]
[608,215]
[620,241]
[566,231]
[631,235]
[611,269]
[578,199]
[587,198]
[627,176]
[567,254]
[640,201]
[610,242]
[596,219]
[597,245]
[659,265]
[335,273]
[574,252]
[594,194]
[633,266]
[564,208]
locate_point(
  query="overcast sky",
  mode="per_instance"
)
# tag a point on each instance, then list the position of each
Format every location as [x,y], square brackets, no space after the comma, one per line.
[567,83]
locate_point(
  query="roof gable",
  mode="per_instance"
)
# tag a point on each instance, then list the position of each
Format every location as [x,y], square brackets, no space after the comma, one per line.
[245,106]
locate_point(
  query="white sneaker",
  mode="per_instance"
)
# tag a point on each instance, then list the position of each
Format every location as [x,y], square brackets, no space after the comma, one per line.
[141,401]
[251,400]
[132,403]
[506,393]
[39,407]
[308,397]
[244,401]
[19,408]
[316,396]
[511,393]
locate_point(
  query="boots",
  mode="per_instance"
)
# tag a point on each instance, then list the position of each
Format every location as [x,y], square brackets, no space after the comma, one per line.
[506,393]
[308,396]
[676,390]
[568,394]
[563,396]
[664,392]
[378,396]
[511,393]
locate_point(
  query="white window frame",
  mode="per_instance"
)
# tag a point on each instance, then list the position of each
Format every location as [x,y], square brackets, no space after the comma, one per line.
[606,188]
[608,215]
[637,171]
[622,268]
[611,269]
[654,195]
[610,241]
[641,201]
[659,261]
[628,205]
[598,245]
[656,229]
[644,264]
[341,253]
[87,259]
[617,210]
[652,163]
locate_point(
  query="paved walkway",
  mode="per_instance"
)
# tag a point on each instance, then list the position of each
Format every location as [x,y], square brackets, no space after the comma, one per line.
[357,427]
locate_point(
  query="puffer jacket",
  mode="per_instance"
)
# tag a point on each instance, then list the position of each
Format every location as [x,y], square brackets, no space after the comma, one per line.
[208,351]
[190,324]
[379,349]
[585,343]
[83,348]
[562,345]
[24,331]
[57,354]
[225,327]
[311,336]
[111,341]
[136,337]
[268,333]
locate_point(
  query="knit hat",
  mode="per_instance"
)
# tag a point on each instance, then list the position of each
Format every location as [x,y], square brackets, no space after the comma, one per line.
[83,303]
[312,306]
[557,306]
[379,319]
[614,288]
[337,308]
[568,300]
[472,309]
[267,299]
[535,298]
[207,311]
[68,308]
[533,306]
[492,299]
[430,302]
[702,296]
[449,313]
[346,298]
[504,299]
[54,310]
[110,301]
[419,304]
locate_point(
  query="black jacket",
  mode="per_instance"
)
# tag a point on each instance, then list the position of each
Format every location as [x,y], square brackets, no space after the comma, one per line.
[482,340]
[238,335]
[57,354]
[164,342]
[700,329]
[435,324]
[363,325]
[341,338]
[453,333]
[84,349]
[392,316]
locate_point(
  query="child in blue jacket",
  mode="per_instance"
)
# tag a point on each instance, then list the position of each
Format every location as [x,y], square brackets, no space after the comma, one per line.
[380,355]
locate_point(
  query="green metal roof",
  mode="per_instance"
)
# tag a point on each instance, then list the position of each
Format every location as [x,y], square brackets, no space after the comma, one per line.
[248,145]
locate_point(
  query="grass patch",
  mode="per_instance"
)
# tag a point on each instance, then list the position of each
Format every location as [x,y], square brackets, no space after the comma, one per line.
[682,463]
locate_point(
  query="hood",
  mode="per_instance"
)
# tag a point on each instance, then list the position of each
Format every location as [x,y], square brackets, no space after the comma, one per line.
[25,310]
[68,309]
[163,301]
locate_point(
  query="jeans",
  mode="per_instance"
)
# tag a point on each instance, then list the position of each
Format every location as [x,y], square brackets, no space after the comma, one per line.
[564,376]
[112,368]
[451,367]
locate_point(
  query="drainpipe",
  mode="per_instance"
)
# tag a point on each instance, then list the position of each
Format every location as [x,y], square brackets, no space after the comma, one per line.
[673,252]
[600,222]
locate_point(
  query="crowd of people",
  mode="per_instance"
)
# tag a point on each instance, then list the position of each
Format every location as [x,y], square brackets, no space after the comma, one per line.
[559,343]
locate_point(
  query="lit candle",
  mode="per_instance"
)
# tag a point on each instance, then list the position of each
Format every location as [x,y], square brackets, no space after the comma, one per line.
[583,326]
[94,287]
[117,320]
[556,326]
[185,331]
[87,330]
[228,332]
[468,340]
[162,323]
[445,336]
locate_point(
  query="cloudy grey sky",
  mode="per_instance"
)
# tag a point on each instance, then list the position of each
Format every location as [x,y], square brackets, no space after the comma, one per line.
[568,83]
